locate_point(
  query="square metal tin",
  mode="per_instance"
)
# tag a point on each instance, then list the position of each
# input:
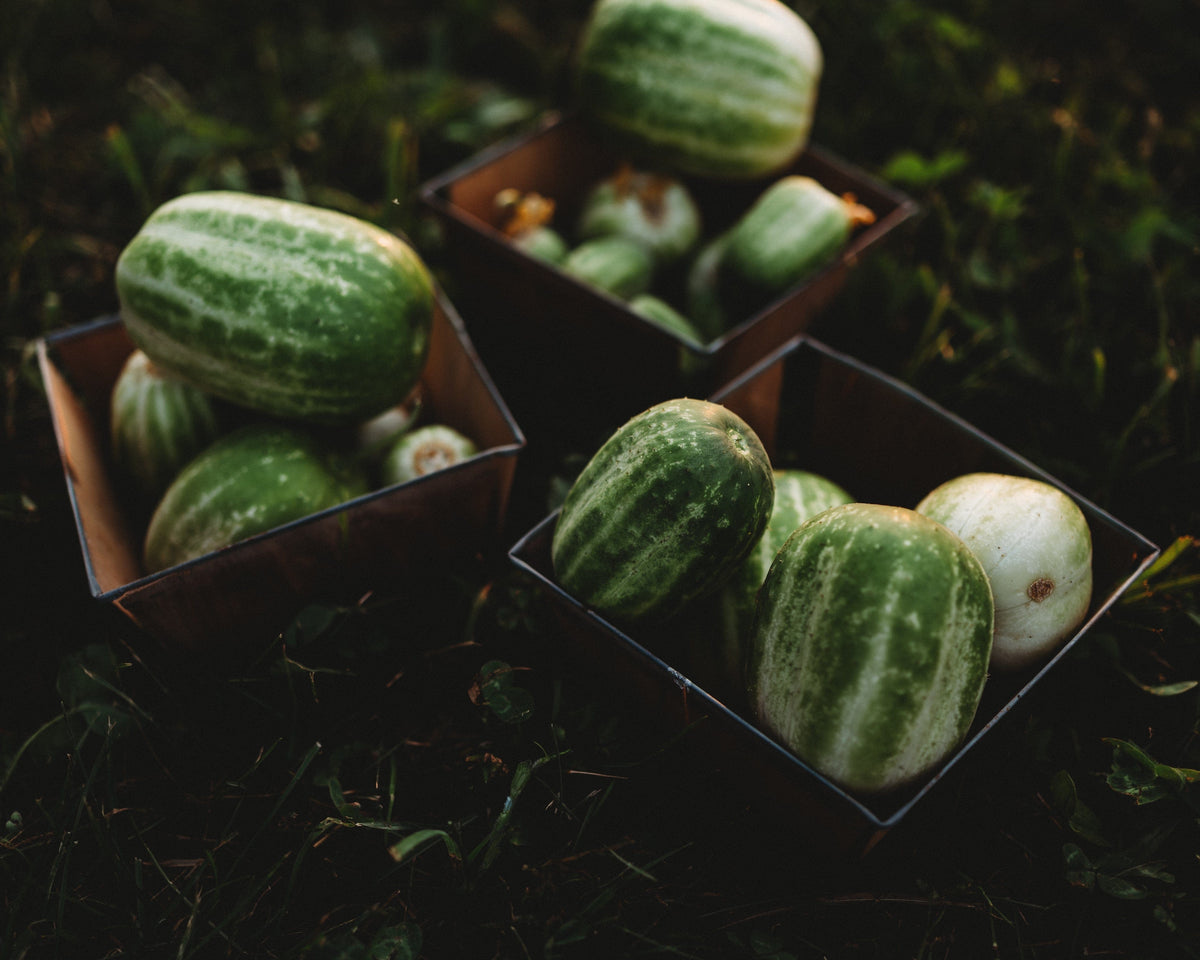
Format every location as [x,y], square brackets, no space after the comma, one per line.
[817,409]
[547,334]
[249,589]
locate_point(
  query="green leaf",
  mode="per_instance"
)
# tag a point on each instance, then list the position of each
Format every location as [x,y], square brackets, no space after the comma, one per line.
[495,689]
[311,623]
[1079,870]
[1081,819]
[1147,226]
[512,705]
[1161,689]
[1136,774]
[1153,871]
[1120,888]
[954,32]
[909,167]
[106,719]
[996,201]
[87,674]
[985,274]
[86,683]
[403,941]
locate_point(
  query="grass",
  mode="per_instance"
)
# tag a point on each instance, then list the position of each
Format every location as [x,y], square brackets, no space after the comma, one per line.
[375,782]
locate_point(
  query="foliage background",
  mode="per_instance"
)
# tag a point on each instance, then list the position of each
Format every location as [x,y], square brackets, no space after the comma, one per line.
[1049,295]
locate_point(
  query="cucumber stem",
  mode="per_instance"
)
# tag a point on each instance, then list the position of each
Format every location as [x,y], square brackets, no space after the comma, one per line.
[859,215]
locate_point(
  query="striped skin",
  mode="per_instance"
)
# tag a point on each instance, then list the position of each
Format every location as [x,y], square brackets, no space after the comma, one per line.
[157,423]
[663,511]
[658,212]
[617,265]
[655,310]
[718,88]
[253,479]
[793,229]
[662,314]
[277,306]
[871,645]
[702,289]
[799,495]
[1034,543]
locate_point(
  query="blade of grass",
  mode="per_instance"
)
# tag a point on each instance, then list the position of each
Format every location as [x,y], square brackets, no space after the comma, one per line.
[420,840]
[242,909]
[189,927]
[62,859]
[280,801]
[399,166]
[490,845]
[31,740]
[126,159]
[1150,584]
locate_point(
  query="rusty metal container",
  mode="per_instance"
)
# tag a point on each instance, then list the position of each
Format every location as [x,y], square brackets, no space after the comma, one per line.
[820,410]
[249,590]
[545,334]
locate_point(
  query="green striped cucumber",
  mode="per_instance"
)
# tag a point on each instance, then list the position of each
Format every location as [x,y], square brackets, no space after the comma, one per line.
[692,364]
[663,511]
[617,265]
[157,423]
[799,495]
[871,645]
[252,479]
[663,315]
[702,289]
[281,307]
[795,227]
[718,88]
[1033,540]
[543,243]
[656,210]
